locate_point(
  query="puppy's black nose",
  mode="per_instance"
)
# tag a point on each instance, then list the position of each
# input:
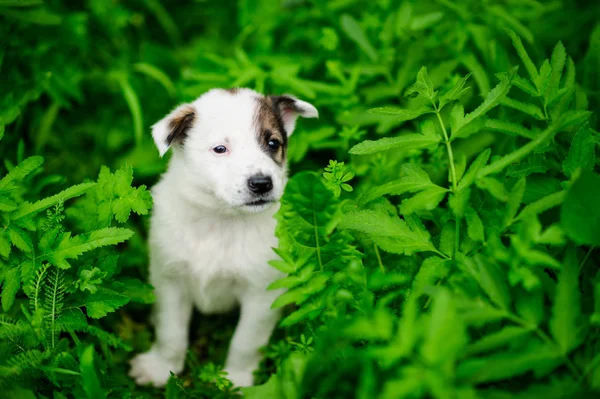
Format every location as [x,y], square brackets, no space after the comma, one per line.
[260,184]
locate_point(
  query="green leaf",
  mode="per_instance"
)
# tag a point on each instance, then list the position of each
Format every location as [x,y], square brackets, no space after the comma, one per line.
[531,69]
[12,283]
[423,86]
[415,179]
[580,213]
[400,114]
[504,337]
[20,238]
[72,247]
[446,336]
[582,152]
[133,102]
[566,310]
[514,202]
[351,27]
[474,169]
[21,171]
[389,232]
[27,209]
[492,99]
[427,199]
[505,365]
[494,187]
[474,225]
[559,56]
[456,93]
[406,142]
[104,301]
[527,108]
[512,129]
[90,381]
[493,282]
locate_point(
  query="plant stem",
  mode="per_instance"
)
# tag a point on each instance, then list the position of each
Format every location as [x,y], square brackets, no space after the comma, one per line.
[452,175]
[379,258]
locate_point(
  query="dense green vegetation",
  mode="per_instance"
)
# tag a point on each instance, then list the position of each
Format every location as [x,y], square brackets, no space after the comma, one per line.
[439,230]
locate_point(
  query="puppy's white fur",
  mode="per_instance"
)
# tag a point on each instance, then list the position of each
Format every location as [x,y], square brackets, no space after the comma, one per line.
[208,248]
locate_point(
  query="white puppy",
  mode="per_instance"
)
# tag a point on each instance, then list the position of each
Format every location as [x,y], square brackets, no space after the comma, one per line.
[212,228]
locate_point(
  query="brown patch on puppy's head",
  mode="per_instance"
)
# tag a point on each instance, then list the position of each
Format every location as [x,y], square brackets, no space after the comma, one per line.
[271,134]
[180,123]
[233,90]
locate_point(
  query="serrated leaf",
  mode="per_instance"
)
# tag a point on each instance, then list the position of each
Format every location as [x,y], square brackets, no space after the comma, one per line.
[22,170]
[69,247]
[20,238]
[12,283]
[531,69]
[494,187]
[400,114]
[104,301]
[492,99]
[415,179]
[406,142]
[525,85]
[27,209]
[529,109]
[512,129]
[557,62]
[431,270]
[423,86]
[390,232]
[455,93]
[514,202]
[427,199]
[474,169]
[582,153]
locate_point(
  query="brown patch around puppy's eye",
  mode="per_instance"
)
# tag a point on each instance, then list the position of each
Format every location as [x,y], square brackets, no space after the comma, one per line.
[181,124]
[271,134]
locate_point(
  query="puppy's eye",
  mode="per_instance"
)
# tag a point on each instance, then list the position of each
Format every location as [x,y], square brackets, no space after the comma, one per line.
[273,144]
[220,149]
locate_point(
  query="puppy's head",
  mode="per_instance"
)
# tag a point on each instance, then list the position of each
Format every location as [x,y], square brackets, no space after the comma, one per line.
[229,147]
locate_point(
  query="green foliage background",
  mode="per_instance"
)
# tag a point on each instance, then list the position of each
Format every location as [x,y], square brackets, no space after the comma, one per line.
[447,250]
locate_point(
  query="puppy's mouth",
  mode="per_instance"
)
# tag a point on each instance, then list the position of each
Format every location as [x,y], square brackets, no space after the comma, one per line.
[259,202]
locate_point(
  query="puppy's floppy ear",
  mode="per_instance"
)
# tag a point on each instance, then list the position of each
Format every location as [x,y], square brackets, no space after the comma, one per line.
[290,108]
[174,127]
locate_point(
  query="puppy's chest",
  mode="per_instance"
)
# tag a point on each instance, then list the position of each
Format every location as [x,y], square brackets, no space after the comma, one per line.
[229,247]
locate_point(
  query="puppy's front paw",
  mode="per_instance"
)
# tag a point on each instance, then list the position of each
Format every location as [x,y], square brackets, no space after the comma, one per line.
[151,367]
[240,378]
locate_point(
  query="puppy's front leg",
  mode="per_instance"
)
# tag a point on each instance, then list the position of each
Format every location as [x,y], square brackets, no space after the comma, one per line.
[257,321]
[172,311]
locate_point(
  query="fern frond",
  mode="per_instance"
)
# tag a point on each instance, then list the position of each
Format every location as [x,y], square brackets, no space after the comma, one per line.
[35,287]
[54,300]
[72,247]
[28,209]
[31,359]
[12,329]
[21,171]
